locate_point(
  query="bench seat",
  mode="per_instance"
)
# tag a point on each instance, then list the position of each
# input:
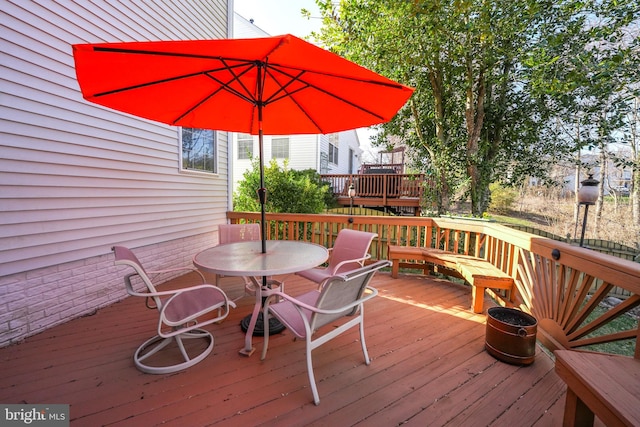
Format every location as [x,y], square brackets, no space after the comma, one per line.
[606,385]
[479,273]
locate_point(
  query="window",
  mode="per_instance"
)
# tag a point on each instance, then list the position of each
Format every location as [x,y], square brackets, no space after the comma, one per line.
[280,148]
[334,140]
[199,150]
[245,146]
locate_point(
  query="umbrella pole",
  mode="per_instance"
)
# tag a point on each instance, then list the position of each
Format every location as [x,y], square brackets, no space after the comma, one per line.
[262,195]
[274,324]
[262,192]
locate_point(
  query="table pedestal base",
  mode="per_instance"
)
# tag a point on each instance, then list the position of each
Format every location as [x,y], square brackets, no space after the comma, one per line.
[275,327]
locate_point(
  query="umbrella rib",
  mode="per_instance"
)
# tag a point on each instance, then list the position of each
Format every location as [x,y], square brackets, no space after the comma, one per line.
[236,77]
[333,95]
[286,94]
[167,80]
[199,103]
[390,83]
[282,91]
[223,86]
[176,54]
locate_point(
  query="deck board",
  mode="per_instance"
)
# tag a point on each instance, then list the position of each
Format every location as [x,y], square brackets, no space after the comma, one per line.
[428,367]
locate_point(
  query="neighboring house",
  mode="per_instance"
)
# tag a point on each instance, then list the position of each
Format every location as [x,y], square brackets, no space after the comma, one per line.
[337,153]
[76,178]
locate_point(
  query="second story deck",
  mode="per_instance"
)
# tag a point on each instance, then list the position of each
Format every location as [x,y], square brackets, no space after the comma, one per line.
[400,193]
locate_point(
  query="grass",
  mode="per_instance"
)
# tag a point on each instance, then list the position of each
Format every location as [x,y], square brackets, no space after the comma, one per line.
[622,323]
[503,219]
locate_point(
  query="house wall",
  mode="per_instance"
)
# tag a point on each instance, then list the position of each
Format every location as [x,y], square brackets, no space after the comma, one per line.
[245,29]
[76,178]
[348,140]
[303,154]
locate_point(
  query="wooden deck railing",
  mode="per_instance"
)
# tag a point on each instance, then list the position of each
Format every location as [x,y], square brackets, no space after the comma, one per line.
[561,285]
[377,185]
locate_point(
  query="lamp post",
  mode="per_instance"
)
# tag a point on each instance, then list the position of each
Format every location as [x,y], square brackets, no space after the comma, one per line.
[352,194]
[587,196]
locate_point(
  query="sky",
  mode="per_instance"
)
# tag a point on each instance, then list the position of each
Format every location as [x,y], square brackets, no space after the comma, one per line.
[278,17]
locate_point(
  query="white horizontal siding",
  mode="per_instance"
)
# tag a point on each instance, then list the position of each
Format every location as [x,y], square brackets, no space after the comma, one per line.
[303,152]
[244,29]
[348,140]
[75,177]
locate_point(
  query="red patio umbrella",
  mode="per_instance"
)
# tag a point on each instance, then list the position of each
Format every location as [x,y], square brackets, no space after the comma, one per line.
[274,85]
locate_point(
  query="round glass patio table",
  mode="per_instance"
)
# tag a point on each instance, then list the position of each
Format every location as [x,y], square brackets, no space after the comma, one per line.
[246,259]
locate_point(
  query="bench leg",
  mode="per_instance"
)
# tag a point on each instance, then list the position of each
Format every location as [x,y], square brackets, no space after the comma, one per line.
[395,268]
[576,413]
[477,296]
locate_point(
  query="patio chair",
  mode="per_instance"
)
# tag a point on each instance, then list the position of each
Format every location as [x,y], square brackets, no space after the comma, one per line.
[349,252]
[231,233]
[339,296]
[182,313]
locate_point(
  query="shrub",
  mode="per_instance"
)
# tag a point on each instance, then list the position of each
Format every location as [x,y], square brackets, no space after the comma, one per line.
[287,190]
[502,198]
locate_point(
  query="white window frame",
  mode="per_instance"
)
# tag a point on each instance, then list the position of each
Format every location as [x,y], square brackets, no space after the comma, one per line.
[334,142]
[246,140]
[279,152]
[214,148]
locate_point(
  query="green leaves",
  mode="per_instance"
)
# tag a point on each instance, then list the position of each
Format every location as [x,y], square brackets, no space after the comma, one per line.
[499,84]
[287,190]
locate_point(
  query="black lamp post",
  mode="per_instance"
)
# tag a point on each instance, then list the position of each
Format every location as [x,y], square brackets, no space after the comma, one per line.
[587,196]
[352,194]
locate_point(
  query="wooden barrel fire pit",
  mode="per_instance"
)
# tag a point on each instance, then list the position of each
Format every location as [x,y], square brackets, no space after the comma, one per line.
[511,335]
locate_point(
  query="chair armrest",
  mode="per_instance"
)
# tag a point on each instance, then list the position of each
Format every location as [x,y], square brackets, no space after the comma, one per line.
[173,270]
[170,292]
[367,296]
[347,261]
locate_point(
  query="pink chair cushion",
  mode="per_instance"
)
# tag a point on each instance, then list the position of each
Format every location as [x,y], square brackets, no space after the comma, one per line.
[286,311]
[349,245]
[186,305]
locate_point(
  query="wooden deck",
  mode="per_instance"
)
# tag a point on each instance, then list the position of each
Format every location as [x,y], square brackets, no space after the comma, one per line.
[428,367]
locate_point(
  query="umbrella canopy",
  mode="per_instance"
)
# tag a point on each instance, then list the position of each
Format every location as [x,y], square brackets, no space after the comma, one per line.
[275,85]
[223,84]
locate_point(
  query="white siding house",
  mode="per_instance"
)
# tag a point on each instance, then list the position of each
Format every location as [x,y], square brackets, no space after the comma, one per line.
[338,153]
[76,178]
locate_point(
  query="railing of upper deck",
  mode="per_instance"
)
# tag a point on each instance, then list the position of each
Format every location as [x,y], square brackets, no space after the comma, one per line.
[385,186]
[562,285]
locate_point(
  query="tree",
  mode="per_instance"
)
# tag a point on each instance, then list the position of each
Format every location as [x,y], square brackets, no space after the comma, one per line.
[287,190]
[591,79]
[485,99]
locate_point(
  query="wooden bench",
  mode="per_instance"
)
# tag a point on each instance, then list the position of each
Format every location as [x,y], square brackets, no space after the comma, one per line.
[602,384]
[479,273]
[398,253]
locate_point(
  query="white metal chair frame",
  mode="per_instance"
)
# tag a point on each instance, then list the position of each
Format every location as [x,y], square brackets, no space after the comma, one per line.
[338,296]
[179,313]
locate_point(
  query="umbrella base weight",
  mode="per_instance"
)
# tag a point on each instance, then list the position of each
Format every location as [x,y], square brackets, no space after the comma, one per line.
[275,327]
